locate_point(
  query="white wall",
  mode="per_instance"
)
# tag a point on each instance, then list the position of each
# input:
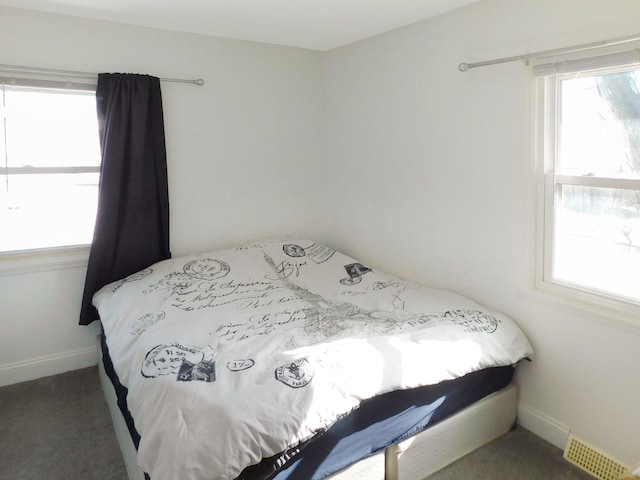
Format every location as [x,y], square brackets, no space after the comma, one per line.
[241,151]
[431,177]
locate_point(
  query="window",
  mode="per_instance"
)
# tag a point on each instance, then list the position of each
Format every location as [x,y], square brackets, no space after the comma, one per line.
[49,165]
[589,144]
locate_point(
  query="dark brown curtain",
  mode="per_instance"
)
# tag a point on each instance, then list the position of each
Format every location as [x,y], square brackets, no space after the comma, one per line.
[132,223]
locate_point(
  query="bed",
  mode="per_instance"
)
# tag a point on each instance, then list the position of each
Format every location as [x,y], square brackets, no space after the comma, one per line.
[285,359]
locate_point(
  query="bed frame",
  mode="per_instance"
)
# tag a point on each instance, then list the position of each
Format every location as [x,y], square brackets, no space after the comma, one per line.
[415,458]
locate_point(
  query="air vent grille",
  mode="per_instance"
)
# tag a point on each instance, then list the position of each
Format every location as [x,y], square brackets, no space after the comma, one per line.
[592,460]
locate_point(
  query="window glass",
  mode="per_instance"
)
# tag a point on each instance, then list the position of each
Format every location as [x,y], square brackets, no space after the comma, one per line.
[597,239]
[598,124]
[49,168]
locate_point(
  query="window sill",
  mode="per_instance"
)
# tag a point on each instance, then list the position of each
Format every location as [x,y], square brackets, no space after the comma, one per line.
[602,309]
[32,261]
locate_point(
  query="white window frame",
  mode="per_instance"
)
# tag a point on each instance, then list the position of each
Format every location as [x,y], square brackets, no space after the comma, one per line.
[581,299]
[48,258]
[42,260]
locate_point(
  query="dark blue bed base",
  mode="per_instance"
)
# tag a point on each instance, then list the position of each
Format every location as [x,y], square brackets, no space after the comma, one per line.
[378,423]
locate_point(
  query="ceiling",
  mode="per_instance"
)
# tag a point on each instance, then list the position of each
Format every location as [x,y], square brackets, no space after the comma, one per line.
[313,24]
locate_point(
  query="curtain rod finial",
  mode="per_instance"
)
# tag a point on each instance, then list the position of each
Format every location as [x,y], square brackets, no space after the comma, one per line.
[463,67]
[199,82]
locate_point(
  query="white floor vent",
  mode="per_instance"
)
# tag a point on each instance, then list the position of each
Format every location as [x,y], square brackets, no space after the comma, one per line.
[592,460]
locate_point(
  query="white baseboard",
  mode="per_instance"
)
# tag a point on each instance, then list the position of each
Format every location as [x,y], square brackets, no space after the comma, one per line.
[543,426]
[45,366]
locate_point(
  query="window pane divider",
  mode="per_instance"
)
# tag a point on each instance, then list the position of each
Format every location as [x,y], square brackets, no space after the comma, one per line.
[602,182]
[46,170]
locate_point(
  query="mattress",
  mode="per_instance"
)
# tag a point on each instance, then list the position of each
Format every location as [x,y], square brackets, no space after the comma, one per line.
[286,359]
[378,423]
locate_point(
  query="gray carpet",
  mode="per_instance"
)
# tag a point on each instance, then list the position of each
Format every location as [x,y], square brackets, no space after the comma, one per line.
[58,428]
[517,455]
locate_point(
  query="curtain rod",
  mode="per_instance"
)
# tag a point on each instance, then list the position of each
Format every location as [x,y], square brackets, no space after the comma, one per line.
[463,67]
[21,69]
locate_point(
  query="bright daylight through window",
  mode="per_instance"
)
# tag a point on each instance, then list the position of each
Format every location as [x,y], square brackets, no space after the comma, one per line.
[592,181]
[49,167]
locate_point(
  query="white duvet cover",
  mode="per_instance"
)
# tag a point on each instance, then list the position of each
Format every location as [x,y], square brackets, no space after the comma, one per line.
[238,355]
